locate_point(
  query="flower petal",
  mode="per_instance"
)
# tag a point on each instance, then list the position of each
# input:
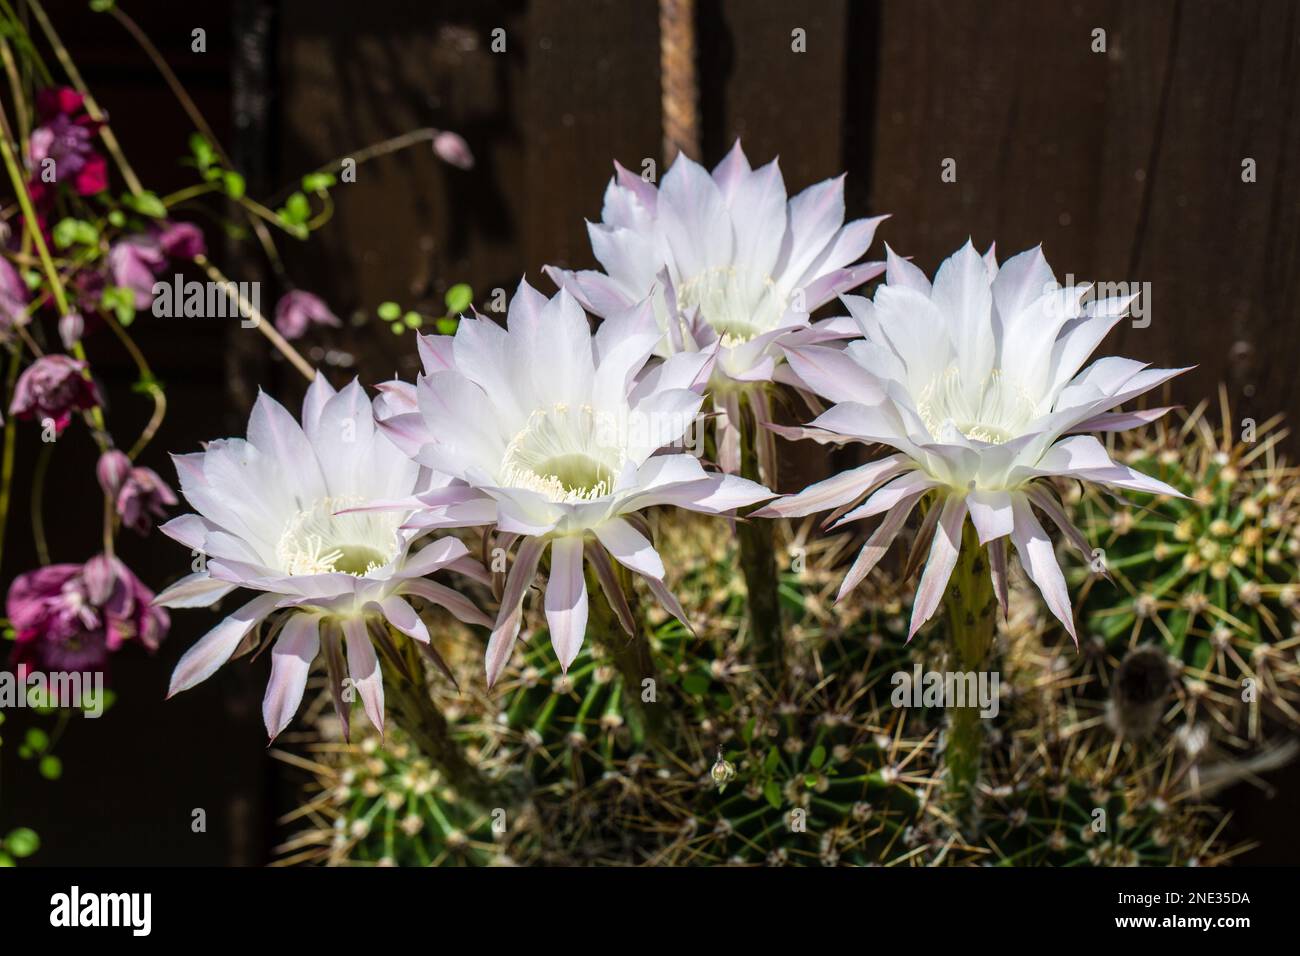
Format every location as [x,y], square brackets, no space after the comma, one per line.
[291,659]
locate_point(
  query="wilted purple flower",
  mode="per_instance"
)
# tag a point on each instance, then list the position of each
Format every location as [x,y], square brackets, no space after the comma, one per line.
[134,262]
[65,134]
[181,240]
[452,148]
[72,616]
[297,310]
[54,386]
[13,298]
[138,494]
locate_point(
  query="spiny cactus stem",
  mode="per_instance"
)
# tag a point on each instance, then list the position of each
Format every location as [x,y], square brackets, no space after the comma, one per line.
[758,558]
[415,712]
[972,621]
[630,655]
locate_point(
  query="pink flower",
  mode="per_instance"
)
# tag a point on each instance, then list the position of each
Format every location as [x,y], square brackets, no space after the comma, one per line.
[297,310]
[71,616]
[13,298]
[452,148]
[53,387]
[139,494]
[134,261]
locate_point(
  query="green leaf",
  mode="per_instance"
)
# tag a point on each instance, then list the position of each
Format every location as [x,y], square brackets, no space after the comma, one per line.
[773,758]
[389,311]
[445,326]
[201,149]
[772,791]
[233,183]
[298,207]
[22,842]
[818,756]
[117,218]
[695,683]
[69,232]
[37,739]
[458,298]
[51,767]
[146,204]
[318,182]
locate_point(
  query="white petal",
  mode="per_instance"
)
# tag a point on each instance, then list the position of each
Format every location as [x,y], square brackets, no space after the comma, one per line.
[566,599]
[291,660]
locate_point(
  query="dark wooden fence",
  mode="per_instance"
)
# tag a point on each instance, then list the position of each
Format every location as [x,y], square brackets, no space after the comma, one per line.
[1126,164]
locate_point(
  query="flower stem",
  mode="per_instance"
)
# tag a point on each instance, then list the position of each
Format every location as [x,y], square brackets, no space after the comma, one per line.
[758,560]
[414,711]
[972,623]
[630,655]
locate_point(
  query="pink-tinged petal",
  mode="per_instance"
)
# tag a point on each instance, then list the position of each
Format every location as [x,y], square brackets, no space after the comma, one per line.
[824,288]
[890,496]
[566,599]
[939,565]
[833,375]
[363,668]
[732,171]
[715,494]
[193,590]
[189,530]
[1122,421]
[461,607]
[437,353]
[900,272]
[877,545]
[435,557]
[630,548]
[1047,504]
[510,615]
[835,491]
[669,602]
[991,513]
[1038,558]
[816,215]
[403,617]
[609,583]
[997,551]
[291,659]
[212,650]
[319,392]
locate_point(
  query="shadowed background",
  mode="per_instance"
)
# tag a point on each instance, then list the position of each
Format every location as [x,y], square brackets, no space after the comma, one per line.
[1126,165]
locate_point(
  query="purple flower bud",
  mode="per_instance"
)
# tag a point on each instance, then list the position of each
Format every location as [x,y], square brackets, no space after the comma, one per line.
[134,262]
[181,240]
[53,387]
[143,497]
[71,327]
[452,148]
[297,310]
[113,469]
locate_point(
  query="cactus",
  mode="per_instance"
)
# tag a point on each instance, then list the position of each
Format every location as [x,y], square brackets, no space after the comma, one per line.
[1212,580]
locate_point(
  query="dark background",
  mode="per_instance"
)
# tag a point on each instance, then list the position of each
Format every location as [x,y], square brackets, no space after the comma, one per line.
[1125,165]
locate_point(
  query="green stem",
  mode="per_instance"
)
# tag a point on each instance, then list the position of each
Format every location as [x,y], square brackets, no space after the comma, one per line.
[972,623]
[414,711]
[758,561]
[630,655]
